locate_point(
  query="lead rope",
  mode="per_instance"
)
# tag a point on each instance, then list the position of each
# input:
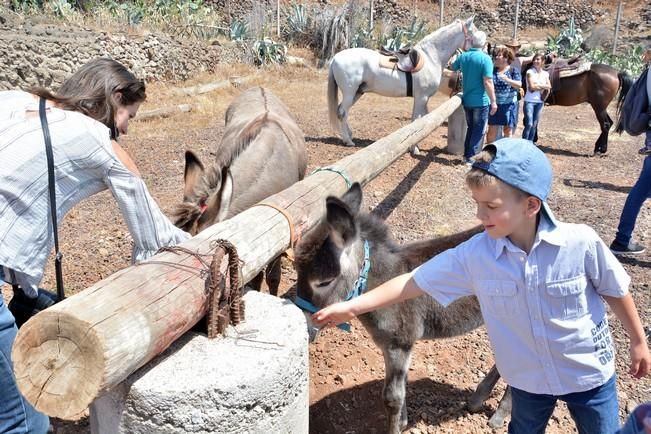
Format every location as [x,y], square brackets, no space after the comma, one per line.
[224,307]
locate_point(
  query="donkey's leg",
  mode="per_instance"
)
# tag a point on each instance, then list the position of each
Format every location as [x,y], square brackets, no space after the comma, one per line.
[503,410]
[272,276]
[396,360]
[256,283]
[483,390]
[605,122]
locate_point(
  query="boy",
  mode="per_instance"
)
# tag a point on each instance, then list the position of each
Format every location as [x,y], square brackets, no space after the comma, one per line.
[540,285]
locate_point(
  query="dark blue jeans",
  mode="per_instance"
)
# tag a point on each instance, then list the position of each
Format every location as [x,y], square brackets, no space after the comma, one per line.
[640,192]
[594,411]
[476,119]
[531,117]
[16,414]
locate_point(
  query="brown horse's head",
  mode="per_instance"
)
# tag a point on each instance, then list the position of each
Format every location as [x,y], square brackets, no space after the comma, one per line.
[206,196]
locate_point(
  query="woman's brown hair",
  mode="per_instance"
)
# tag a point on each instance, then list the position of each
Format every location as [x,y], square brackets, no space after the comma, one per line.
[506,53]
[96,90]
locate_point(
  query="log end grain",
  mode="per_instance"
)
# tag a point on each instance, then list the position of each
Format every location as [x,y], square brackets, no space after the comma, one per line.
[59,363]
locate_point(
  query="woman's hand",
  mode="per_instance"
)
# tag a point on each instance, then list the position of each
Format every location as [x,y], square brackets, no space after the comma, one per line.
[334,314]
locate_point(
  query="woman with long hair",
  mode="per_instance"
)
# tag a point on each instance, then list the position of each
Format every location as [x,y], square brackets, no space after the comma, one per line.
[534,99]
[84,118]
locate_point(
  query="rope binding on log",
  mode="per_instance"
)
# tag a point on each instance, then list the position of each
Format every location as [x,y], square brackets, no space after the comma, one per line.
[224,306]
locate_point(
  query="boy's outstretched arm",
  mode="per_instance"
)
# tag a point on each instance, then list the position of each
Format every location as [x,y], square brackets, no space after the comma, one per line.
[394,291]
[626,312]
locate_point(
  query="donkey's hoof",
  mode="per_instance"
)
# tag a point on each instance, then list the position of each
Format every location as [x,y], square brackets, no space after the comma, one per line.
[600,154]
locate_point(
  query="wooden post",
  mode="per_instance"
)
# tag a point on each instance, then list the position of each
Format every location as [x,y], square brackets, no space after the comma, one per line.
[215,85]
[617,22]
[515,21]
[370,15]
[65,356]
[441,13]
[164,112]
[278,19]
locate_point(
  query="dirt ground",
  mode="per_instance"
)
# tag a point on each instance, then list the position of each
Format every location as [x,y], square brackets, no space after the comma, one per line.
[419,197]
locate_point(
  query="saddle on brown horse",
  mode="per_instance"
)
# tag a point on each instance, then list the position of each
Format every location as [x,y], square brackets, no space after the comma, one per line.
[559,68]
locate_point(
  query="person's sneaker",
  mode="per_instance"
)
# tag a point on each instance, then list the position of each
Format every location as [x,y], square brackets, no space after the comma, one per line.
[631,249]
[645,151]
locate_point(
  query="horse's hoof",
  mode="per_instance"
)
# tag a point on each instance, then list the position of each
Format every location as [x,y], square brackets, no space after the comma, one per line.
[415,152]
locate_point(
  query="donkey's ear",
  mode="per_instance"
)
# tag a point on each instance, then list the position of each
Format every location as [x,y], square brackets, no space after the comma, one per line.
[341,222]
[219,202]
[353,198]
[193,173]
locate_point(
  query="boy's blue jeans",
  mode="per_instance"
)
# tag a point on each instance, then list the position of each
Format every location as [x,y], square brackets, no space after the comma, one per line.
[476,119]
[16,414]
[640,192]
[531,116]
[594,411]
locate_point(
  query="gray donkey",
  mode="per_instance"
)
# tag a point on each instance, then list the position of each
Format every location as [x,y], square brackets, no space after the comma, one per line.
[330,262]
[262,152]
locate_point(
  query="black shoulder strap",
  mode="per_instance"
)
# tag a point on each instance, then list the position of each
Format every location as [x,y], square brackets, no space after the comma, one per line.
[53,202]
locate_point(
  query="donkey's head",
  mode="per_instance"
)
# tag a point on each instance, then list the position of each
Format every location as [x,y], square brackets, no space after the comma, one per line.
[329,257]
[206,196]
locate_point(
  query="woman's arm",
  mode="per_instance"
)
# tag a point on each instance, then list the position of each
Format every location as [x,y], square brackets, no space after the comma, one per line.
[125,158]
[625,310]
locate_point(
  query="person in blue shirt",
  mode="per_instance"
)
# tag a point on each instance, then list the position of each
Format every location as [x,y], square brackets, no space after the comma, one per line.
[478,92]
[641,191]
[541,286]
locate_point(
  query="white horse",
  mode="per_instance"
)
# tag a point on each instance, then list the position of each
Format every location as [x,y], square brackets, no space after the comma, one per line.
[357,71]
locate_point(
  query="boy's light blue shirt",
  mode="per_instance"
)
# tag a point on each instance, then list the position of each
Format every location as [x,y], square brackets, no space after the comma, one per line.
[543,312]
[474,65]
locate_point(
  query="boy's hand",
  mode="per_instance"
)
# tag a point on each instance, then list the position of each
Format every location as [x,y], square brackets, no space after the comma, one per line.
[640,360]
[332,315]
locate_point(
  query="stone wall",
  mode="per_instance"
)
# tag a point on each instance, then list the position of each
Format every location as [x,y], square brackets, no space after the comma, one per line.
[34,54]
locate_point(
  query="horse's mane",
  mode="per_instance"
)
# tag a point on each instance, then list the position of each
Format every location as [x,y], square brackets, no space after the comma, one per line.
[439,40]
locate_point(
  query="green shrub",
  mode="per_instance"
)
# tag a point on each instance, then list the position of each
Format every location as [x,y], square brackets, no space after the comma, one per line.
[266,51]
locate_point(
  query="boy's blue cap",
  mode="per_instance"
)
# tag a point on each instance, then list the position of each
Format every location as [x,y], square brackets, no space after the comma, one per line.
[519,163]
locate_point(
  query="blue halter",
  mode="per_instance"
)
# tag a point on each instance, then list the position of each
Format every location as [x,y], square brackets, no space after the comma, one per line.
[358,289]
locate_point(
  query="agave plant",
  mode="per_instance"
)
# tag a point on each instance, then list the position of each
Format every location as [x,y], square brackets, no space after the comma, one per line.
[298,19]
[239,30]
[266,51]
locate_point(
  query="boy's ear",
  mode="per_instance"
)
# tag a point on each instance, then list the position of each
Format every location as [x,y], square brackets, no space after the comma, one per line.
[534,205]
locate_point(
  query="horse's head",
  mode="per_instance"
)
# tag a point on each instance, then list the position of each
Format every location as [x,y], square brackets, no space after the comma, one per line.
[206,196]
[330,256]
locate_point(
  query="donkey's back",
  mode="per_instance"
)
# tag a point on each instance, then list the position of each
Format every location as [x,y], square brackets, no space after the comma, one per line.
[263,146]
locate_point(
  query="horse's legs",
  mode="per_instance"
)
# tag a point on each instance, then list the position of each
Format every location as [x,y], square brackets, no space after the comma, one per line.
[419,110]
[272,276]
[605,122]
[483,390]
[396,360]
[350,96]
[503,410]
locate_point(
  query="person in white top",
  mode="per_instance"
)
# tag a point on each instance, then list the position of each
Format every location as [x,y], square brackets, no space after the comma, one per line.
[537,83]
[541,286]
[85,117]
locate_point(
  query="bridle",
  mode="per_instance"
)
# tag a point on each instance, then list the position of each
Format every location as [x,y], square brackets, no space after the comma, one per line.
[467,37]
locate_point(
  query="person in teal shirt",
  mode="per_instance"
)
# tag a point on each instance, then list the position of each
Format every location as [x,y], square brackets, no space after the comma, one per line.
[478,93]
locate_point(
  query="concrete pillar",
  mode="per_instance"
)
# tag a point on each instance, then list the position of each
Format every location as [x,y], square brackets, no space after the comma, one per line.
[456,131]
[252,380]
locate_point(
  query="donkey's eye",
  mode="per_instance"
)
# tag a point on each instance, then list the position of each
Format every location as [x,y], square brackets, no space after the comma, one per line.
[324,283]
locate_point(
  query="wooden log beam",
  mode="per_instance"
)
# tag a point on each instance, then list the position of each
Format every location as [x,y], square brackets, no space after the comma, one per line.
[212,86]
[163,112]
[67,355]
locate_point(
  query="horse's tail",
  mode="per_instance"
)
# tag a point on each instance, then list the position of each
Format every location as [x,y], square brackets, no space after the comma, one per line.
[333,99]
[625,83]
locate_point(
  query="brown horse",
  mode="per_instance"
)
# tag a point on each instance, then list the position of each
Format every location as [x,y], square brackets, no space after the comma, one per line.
[262,152]
[596,86]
